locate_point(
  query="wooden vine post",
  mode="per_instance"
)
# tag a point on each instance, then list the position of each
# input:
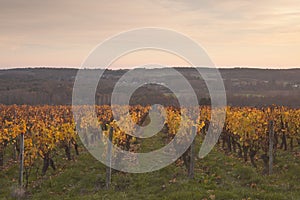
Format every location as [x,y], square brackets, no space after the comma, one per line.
[271,144]
[192,154]
[109,156]
[21,160]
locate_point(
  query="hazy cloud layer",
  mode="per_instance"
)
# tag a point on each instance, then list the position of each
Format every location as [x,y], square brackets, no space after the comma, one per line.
[234,32]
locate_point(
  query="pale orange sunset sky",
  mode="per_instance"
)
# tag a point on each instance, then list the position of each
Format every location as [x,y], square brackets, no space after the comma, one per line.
[262,33]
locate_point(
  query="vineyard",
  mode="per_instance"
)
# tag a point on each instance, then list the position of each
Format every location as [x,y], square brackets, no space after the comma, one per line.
[50,130]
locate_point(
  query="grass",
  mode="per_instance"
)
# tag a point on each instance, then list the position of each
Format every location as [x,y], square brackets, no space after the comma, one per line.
[217,176]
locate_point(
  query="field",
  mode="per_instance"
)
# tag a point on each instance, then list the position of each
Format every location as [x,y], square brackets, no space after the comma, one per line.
[235,169]
[217,176]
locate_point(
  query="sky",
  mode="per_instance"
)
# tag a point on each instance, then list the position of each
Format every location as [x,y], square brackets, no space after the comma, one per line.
[62,33]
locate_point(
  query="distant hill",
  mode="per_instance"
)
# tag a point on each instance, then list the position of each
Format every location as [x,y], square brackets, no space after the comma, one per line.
[252,87]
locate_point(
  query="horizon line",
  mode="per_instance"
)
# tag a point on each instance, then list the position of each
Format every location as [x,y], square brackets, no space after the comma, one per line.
[167,66]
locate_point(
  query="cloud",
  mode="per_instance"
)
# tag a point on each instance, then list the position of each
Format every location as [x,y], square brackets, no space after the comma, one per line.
[63,32]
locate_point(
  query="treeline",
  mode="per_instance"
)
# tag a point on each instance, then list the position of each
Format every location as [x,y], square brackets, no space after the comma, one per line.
[244,87]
